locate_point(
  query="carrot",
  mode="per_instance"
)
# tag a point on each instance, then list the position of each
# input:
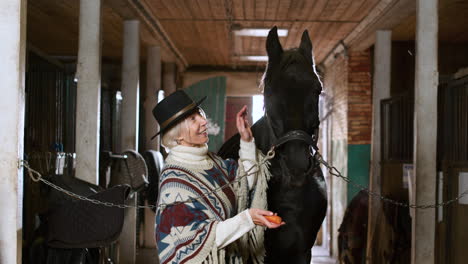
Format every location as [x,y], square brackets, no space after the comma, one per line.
[274,219]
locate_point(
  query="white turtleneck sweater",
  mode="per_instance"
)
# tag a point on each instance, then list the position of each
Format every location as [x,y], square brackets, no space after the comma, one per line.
[231,229]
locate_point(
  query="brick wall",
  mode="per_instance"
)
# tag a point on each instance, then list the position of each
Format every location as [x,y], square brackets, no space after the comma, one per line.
[335,87]
[359,98]
[347,85]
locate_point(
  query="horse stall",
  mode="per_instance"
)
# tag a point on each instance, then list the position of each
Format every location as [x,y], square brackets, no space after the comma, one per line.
[393,230]
[49,135]
[57,227]
[453,171]
[392,234]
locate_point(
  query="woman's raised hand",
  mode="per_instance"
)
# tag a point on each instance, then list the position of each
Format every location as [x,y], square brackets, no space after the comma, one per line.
[258,217]
[243,125]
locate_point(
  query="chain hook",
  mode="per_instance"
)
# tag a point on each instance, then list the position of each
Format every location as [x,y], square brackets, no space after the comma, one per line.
[31,172]
[271,153]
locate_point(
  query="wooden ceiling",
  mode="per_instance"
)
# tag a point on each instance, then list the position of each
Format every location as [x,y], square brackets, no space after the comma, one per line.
[453,23]
[201,29]
[199,32]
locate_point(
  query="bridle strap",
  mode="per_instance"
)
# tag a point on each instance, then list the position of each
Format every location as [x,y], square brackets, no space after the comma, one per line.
[294,135]
[290,136]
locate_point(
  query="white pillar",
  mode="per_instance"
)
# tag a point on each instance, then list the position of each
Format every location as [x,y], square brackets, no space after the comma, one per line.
[12,103]
[169,78]
[153,85]
[130,85]
[88,98]
[129,127]
[425,131]
[381,90]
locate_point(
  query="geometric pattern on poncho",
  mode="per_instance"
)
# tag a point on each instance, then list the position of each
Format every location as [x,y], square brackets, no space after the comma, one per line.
[185,233]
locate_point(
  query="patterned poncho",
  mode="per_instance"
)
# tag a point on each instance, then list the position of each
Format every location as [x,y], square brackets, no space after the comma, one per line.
[186,232]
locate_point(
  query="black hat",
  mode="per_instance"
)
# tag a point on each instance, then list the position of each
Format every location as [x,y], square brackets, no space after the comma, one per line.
[173,109]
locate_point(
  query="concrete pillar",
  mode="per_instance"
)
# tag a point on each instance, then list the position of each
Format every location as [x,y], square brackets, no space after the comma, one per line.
[88,100]
[129,127]
[12,103]
[169,78]
[153,85]
[425,131]
[130,85]
[381,90]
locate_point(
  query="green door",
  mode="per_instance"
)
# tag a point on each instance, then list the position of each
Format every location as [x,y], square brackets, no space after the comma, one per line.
[214,107]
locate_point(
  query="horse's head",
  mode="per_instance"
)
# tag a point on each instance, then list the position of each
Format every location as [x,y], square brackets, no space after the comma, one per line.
[291,93]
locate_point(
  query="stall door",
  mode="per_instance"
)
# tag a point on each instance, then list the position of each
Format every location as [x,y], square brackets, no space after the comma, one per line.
[214,107]
[453,152]
[457,214]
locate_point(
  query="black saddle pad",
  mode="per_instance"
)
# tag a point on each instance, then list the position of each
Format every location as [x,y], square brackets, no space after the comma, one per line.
[74,223]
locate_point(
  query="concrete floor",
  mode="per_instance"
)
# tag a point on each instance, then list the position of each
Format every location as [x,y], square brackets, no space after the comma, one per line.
[320,256]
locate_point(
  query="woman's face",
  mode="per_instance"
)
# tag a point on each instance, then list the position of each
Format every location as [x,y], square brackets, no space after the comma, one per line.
[194,132]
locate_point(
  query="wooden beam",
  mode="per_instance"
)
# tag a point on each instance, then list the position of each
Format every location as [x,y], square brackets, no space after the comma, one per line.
[387,19]
[385,15]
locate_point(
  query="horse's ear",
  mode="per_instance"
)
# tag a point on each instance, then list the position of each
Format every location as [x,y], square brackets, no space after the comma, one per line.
[273,45]
[306,45]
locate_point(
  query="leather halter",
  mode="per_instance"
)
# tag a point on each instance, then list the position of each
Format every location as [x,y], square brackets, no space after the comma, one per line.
[296,135]
[301,135]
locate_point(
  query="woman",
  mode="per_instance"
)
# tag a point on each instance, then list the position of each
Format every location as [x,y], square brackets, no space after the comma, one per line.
[198,220]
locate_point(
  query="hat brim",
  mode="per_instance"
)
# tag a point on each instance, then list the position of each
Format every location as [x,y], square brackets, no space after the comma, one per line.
[180,117]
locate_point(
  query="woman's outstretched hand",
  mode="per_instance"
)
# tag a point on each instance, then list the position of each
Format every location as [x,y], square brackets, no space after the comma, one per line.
[258,217]
[243,125]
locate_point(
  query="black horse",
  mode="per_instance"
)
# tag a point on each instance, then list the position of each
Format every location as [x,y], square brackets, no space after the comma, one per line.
[297,190]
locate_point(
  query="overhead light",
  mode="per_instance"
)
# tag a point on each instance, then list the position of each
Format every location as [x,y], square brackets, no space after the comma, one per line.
[258,32]
[253,58]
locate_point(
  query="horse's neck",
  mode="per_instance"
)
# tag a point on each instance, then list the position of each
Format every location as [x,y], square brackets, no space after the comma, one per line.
[262,134]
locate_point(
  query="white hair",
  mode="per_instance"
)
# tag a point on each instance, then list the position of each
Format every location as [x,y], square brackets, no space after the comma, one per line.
[171,136]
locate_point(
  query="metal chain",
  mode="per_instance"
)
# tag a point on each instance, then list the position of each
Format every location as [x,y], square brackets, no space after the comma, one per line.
[269,156]
[331,169]
[334,171]
[39,177]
